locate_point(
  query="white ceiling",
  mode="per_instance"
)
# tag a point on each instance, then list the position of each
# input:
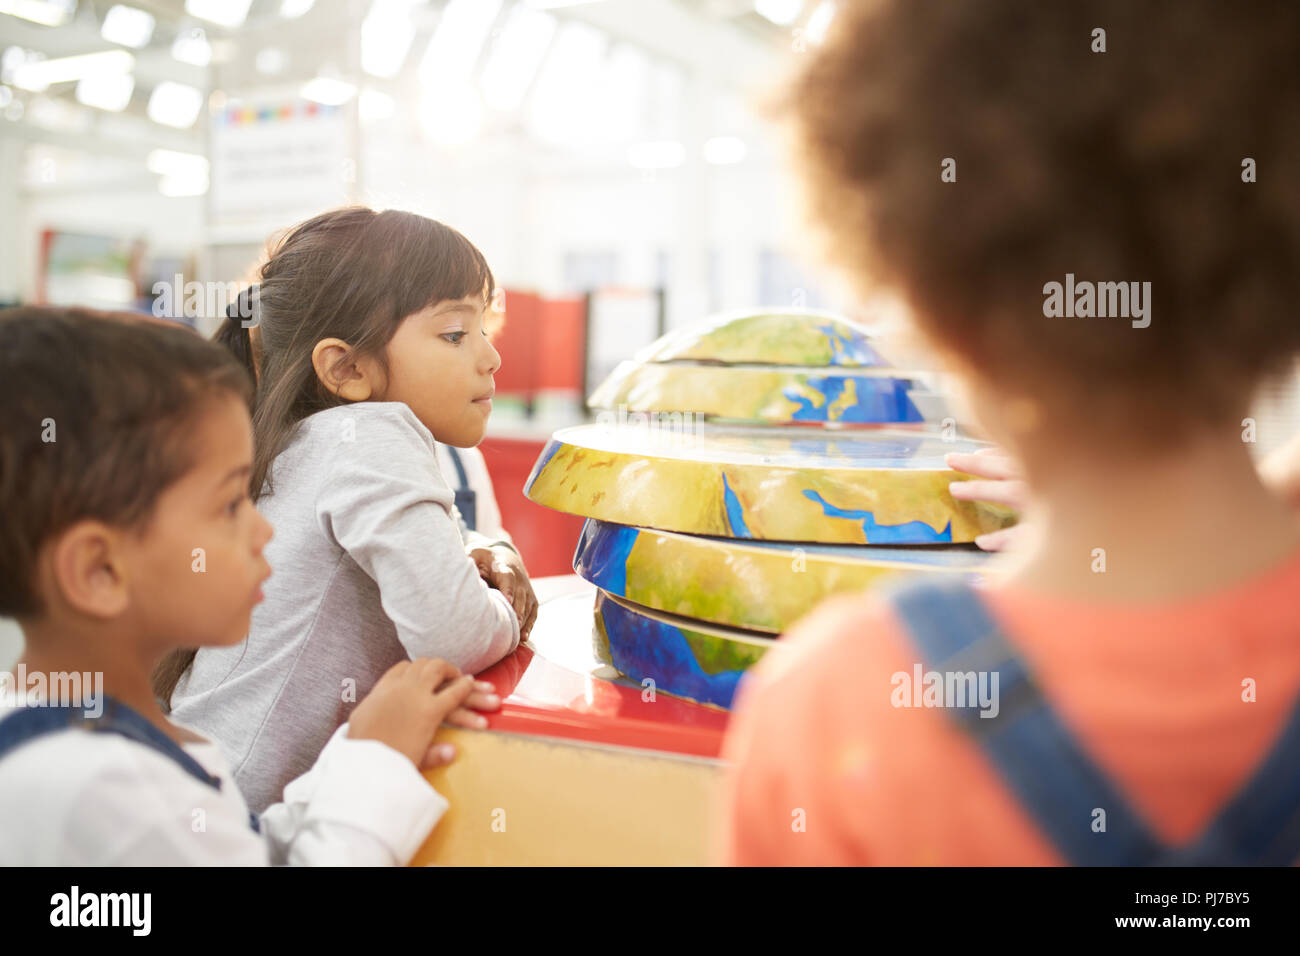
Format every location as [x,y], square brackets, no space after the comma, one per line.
[723,44]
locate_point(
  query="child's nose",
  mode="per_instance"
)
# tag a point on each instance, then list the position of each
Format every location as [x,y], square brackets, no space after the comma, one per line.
[493,357]
[262,532]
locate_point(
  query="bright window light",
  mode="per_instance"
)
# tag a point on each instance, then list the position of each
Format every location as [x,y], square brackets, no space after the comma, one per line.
[292,9]
[183,185]
[820,21]
[225,13]
[376,105]
[328,90]
[110,93]
[781,12]
[271,61]
[183,174]
[456,43]
[666,98]
[724,150]
[192,46]
[50,13]
[127,26]
[568,87]
[663,154]
[37,75]
[515,57]
[386,37]
[175,104]
[13,58]
[169,162]
[624,89]
[451,115]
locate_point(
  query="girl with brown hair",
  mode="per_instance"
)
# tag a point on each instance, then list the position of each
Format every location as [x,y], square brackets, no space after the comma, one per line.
[371,347]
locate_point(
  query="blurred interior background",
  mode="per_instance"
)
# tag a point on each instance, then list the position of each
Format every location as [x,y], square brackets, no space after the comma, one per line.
[581,145]
[609,157]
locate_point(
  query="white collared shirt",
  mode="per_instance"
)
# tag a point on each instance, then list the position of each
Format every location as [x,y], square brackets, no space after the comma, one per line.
[75,798]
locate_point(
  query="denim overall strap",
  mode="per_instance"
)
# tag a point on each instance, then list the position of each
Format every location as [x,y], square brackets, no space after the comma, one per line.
[28,723]
[1055,781]
[466,498]
[1260,826]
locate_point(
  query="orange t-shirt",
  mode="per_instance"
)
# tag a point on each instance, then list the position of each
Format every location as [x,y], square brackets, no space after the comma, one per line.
[824,770]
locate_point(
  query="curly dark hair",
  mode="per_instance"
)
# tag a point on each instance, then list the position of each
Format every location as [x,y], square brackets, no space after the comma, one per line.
[1123,165]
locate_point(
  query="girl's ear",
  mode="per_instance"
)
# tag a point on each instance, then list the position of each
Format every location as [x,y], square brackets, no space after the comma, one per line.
[340,372]
[88,571]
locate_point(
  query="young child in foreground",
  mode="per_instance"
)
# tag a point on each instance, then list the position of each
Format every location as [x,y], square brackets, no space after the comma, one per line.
[370,346]
[1146,641]
[125,450]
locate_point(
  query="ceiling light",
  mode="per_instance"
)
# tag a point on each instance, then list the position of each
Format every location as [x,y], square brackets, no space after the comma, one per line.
[36,75]
[183,185]
[271,61]
[328,90]
[175,104]
[385,37]
[451,115]
[127,26]
[226,13]
[169,162]
[568,87]
[13,58]
[624,86]
[50,13]
[292,9]
[456,42]
[515,57]
[111,92]
[192,47]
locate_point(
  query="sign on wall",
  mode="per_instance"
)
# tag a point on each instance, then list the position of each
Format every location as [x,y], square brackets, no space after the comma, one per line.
[279,159]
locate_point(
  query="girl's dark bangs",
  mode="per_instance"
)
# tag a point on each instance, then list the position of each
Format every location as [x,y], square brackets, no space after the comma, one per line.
[443,265]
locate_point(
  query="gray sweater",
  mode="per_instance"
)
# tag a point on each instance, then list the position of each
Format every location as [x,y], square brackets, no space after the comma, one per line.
[369,567]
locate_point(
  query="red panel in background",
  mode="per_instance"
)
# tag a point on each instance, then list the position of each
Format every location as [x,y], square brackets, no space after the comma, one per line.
[519,345]
[542,344]
[562,337]
[545,538]
[43,267]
